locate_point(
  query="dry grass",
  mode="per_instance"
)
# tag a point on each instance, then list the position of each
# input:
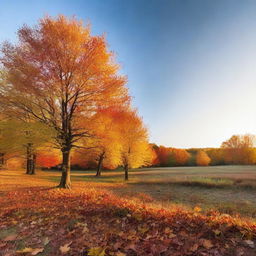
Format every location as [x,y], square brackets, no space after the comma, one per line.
[228,189]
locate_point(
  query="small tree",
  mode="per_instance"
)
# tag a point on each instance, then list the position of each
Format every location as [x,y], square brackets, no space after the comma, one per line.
[104,146]
[135,150]
[24,139]
[181,156]
[202,159]
[239,149]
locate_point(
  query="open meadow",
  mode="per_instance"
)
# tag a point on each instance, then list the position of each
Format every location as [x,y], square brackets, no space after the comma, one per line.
[228,189]
[159,211]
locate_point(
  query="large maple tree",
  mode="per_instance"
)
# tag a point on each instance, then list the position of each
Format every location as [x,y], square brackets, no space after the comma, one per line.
[58,73]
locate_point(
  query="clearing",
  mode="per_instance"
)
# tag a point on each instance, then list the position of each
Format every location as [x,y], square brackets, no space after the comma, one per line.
[160,211]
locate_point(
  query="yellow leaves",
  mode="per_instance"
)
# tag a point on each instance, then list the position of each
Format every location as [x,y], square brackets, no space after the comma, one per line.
[194,248]
[197,209]
[202,159]
[65,248]
[96,251]
[168,231]
[37,250]
[137,216]
[46,241]
[32,251]
[85,229]
[171,235]
[217,232]
[25,250]
[206,243]
[120,254]
[143,229]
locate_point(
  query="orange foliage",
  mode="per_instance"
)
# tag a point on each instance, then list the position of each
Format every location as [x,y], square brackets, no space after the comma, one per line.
[83,159]
[170,156]
[58,73]
[239,149]
[48,159]
[154,156]
[133,136]
[163,155]
[202,159]
[181,156]
[15,162]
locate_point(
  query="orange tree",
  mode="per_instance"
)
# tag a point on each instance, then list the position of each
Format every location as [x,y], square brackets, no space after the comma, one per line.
[239,149]
[135,150]
[104,146]
[58,73]
[202,159]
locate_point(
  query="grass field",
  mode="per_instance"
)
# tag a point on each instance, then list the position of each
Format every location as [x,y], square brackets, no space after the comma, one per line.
[158,212]
[228,189]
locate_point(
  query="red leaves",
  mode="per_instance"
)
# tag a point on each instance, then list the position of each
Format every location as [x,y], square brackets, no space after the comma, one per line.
[98,222]
[10,238]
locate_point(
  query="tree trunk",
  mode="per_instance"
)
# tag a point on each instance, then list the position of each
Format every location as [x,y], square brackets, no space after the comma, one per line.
[28,169]
[30,160]
[1,158]
[33,164]
[65,181]
[126,168]
[98,174]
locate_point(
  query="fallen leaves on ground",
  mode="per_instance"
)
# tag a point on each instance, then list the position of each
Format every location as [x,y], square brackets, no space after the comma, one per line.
[92,222]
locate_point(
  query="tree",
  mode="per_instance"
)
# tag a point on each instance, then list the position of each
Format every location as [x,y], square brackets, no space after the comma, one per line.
[171,156]
[58,74]
[202,159]
[217,156]
[105,146]
[239,149]
[135,150]
[164,155]
[20,138]
[154,156]
[181,156]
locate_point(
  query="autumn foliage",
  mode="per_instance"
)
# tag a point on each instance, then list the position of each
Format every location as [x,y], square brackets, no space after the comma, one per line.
[47,157]
[202,159]
[59,74]
[239,149]
[164,156]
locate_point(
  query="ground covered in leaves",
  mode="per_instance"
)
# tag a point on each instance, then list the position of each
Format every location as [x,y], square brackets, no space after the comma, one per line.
[88,220]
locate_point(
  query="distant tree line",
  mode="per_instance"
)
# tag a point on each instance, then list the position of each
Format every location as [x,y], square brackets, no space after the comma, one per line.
[239,149]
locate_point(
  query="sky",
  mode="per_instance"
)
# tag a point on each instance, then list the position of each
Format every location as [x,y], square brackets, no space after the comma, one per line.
[191,64]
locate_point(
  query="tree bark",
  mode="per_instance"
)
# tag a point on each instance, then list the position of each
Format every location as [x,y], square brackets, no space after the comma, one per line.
[33,164]
[65,181]
[1,160]
[30,160]
[98,173]
[126,168]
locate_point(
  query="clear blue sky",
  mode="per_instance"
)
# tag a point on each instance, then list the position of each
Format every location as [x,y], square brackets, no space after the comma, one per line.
[191,64]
